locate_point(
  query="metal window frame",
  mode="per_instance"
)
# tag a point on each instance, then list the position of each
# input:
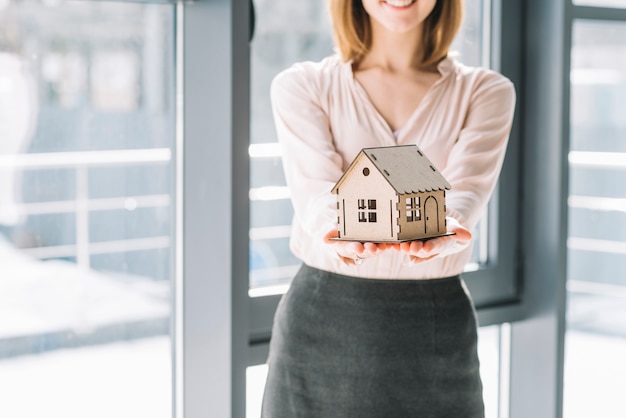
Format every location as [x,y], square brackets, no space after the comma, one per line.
[211,332]
[495,287]
[537,342]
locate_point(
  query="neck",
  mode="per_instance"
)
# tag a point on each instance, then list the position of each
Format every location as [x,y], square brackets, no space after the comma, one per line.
[394,51]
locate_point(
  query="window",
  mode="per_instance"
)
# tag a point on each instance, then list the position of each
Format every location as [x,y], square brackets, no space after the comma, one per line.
[86,208]
[413,209]
[367,214]
[596,242]
[283,34]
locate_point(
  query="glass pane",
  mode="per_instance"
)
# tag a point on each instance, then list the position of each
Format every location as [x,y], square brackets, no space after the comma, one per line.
[86,185]
[284,34]
[595,370]
[488,352]
[601,3]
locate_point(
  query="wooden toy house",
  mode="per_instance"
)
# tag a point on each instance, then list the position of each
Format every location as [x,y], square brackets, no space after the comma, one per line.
[391,194]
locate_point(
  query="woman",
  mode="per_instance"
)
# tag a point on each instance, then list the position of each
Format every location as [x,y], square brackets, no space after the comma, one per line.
[367,329]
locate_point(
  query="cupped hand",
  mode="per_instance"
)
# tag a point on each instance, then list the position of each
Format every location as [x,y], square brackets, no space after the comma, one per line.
[350,251]
[420,251]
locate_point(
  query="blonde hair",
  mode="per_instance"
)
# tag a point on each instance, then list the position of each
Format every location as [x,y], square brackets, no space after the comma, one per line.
[353,33]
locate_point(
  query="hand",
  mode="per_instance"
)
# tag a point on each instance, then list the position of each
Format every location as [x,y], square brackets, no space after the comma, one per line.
[351,252]
[421,251]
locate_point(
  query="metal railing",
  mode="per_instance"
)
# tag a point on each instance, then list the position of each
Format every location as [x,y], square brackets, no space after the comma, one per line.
[596,160]
[82,205]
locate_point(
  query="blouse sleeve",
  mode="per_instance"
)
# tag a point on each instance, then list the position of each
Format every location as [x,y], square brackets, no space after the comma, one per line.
[311,163]
[476,158]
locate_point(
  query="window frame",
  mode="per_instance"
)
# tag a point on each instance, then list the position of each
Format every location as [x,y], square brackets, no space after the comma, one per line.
[211,338]
[495,284]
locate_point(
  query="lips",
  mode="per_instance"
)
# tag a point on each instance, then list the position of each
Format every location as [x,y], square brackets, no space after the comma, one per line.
[399,3]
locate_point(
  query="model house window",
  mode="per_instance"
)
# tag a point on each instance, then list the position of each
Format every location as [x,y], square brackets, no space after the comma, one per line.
[367,213]
[413,209]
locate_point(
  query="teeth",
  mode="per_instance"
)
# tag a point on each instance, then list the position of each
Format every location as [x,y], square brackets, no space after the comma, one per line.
[399,3]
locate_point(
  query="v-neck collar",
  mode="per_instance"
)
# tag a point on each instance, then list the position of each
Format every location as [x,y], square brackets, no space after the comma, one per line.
[445,67]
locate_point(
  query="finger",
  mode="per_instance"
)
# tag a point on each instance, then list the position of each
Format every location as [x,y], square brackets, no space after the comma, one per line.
[417,260]
[345,248]
[370,247]
[443,245]
[416,246]
[331,234]
[347,260]
[381,246]
[436,244]
[357,247]
[429,245]
[405,246]
[462,234]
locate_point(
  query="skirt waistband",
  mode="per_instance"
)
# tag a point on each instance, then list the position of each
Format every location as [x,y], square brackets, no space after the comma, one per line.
[333,283]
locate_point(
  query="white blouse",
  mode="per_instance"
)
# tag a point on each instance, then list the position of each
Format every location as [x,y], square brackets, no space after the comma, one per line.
[323,119]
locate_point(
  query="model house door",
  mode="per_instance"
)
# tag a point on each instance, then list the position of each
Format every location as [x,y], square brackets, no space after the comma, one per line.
[431,215]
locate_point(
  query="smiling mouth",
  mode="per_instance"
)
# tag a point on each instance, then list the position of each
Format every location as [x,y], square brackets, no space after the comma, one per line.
[400,3]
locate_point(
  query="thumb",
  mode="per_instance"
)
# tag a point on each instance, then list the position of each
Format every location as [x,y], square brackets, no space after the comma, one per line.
[462,233]
[330,234]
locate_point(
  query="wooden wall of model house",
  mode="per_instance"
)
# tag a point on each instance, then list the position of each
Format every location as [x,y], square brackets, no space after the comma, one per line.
[421,214]
[367,204]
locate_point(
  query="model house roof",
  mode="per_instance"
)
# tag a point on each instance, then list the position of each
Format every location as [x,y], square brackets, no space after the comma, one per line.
[405,167]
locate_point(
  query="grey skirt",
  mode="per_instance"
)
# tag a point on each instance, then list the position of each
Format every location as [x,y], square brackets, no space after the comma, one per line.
[350,347]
